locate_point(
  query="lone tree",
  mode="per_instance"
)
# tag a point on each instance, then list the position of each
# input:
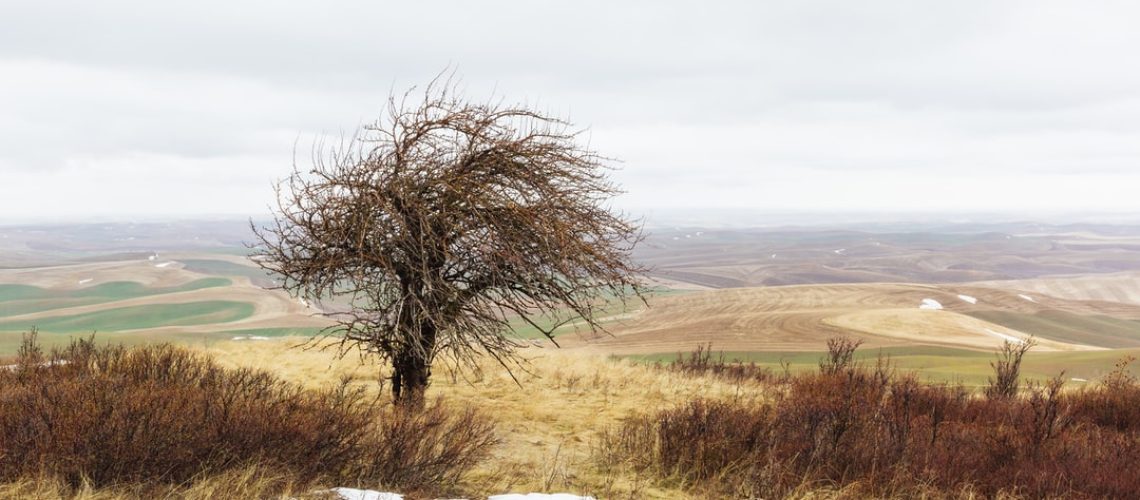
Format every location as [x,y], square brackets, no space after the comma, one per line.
[446,222]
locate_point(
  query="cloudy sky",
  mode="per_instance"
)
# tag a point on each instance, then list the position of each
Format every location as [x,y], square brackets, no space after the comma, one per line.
[117,108]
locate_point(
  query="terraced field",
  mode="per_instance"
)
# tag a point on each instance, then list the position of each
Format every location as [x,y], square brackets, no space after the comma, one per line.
[1113,287]
[180,297]
[803,317]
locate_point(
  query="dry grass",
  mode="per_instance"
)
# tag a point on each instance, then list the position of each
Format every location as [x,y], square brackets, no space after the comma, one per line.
[580,422]
[866,431]
[547,425]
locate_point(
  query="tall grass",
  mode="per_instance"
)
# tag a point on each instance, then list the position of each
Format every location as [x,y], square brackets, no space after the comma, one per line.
[869,431]
[97,416]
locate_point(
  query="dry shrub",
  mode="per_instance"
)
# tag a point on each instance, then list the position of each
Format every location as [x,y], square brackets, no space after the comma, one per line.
[109,415]
[866,431]
[428,450]
[702,362]
[1007,368]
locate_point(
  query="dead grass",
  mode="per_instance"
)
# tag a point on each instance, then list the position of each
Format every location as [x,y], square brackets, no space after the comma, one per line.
[579,421]
[547,425]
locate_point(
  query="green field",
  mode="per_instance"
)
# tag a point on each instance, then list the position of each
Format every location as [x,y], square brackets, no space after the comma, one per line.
[138,317]
[941,364]
[26,299]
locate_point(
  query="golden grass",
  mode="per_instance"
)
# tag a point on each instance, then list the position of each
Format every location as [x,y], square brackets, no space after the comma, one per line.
[547,425]
[251,482]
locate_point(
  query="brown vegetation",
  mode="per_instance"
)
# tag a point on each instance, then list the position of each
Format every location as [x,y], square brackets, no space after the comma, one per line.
[867,431]
[158,416]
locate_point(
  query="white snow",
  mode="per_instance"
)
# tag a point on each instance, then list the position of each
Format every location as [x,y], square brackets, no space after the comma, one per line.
[164,264]
[58,362]
[840,251]
[537,496]
[1003,336]
[85,281]
[773,256]
[1026,297]
[355,494]
[152,257]
[930,304]
[967,298]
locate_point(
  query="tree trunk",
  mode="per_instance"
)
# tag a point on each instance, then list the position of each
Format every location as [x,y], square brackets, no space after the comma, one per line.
[411,368]
[410,374]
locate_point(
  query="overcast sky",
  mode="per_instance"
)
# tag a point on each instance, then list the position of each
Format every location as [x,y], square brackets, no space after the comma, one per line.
[172,108]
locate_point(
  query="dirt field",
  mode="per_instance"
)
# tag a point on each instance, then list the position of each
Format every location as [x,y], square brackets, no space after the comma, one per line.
[802,317]
[1114,287]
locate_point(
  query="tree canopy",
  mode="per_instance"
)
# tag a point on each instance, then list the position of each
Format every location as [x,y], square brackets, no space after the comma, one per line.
[446,221]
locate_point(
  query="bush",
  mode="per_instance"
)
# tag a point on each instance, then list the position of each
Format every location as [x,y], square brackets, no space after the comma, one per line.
[162,414]
[702,362]
[870,432]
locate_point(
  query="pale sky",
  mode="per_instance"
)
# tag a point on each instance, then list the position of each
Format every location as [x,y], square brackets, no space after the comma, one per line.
[121,108]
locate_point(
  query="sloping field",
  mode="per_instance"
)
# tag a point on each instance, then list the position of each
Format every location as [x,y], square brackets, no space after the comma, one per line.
[1114,287]
[803,317]
[161,299]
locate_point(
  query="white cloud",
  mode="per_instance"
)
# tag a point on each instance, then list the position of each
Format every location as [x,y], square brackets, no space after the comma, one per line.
[816,104]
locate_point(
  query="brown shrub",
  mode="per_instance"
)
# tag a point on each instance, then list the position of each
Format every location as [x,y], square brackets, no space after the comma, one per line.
[162,414]
[870,432]
[702,362]
[1007,368]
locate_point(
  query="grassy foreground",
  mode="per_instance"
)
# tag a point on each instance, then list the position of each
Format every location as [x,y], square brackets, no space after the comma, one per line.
[622,428]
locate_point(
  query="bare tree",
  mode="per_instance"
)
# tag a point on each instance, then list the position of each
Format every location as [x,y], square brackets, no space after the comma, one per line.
[446,221]
[1007,368]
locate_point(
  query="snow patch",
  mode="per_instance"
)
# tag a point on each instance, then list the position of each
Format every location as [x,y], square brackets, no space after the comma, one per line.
[1008,338]
[840,251]
[164,264]
[967,298]
[773,256]
[152,257]
[355,494]
[86,281]
[930,304]
[537,496]
[1026,297]
[58,362]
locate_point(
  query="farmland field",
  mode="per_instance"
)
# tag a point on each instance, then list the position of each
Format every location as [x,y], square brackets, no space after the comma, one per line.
[765,295]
